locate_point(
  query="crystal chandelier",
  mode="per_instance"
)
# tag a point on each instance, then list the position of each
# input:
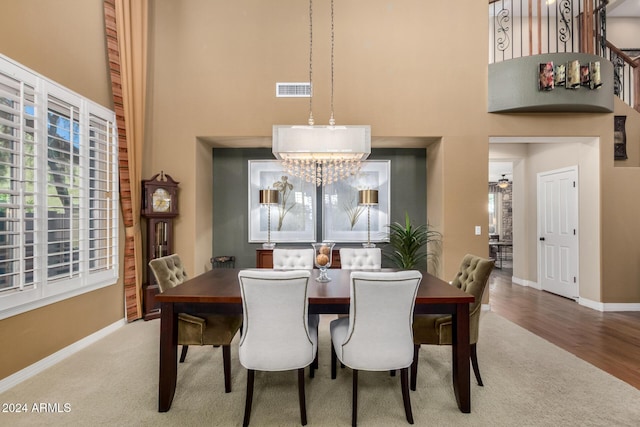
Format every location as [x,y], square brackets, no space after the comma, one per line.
[321,154]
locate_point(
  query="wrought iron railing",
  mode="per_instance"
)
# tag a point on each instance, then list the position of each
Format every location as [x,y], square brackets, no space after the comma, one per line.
[626,75]
[533,27]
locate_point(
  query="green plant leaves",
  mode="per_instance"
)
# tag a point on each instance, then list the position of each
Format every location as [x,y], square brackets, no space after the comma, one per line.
[408,244]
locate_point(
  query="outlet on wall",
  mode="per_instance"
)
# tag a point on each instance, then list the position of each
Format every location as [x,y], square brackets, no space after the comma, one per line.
[478,230]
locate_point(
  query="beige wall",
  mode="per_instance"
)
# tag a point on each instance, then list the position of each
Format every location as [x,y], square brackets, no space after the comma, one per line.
[64,41]
[61,39]
[620,203]
[215,65]
[402,66]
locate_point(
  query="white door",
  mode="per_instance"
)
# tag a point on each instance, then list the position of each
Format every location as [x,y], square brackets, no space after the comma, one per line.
[558,231]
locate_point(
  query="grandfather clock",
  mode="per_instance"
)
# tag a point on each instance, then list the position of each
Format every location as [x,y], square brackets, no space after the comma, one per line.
[159,207]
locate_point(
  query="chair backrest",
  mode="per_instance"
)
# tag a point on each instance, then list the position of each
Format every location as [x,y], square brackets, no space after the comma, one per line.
[293,259]
[360,258]
[275,331]
[380,335]
[169,271]
[224,261]
[472,278]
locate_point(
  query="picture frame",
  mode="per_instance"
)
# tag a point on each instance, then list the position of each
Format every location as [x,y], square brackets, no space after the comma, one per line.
[546,76]
[585,75]
[560,74]
[343,220]
[573,75]
[293,218]
[595,81]
[619,138]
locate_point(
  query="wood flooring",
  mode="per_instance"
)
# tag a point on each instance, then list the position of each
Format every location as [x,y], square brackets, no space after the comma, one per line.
[607,340]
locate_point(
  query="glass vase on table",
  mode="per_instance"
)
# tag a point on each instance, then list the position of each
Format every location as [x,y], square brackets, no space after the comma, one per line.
[322,259]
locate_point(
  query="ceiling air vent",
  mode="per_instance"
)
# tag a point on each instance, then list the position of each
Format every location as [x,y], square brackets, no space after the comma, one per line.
[293,90]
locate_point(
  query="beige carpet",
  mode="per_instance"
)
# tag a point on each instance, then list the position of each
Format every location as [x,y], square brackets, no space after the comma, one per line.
[528,382]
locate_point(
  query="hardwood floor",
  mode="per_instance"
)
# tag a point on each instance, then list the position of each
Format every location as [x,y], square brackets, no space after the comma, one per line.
[609,340]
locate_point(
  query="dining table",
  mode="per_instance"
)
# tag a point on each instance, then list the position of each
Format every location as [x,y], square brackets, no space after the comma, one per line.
[218,291]
[500,248]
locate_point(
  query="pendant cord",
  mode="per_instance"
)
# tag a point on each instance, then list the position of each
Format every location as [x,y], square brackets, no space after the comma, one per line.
[311,121]
[332,121]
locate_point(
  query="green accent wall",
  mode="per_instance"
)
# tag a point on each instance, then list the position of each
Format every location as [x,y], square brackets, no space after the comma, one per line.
[230,199]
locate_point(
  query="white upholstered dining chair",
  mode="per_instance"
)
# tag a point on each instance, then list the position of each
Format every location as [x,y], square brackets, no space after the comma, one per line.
[277,333]
[377,335]
[360,258]
[293,259]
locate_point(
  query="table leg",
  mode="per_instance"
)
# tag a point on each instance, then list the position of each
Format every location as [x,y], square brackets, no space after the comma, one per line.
[168,356]
[461,353]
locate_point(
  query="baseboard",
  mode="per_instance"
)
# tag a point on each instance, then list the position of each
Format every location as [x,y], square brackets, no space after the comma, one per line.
[47,362]
[608,306]
[524,282]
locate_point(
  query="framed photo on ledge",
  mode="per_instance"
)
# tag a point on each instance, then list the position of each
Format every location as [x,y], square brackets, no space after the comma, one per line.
[343,219]
[293,217]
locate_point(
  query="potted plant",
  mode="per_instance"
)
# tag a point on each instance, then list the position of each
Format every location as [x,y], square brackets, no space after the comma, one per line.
[408,245]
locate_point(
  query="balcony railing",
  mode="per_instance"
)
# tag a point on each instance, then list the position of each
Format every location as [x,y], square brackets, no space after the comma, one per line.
[533,27]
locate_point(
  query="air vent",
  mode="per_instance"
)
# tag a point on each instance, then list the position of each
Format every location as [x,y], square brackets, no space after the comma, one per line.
[293,90]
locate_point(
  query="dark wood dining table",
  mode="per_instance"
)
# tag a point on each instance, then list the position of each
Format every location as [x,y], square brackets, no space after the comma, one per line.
[218,291]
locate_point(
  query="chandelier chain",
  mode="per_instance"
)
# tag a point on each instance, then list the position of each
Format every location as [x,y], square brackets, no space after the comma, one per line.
[332,121]
[322,169]
[311,121]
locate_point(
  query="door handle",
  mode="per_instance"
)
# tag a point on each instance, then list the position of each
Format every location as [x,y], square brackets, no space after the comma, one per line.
[542,239]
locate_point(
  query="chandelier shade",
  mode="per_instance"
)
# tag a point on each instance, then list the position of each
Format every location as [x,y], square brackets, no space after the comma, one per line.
[321,154]
[351,142]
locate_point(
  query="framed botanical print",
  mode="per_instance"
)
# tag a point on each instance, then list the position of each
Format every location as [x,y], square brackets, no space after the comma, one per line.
[343,219]
[293,217]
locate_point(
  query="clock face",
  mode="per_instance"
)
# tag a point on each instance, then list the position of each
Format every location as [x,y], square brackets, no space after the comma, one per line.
[161,200]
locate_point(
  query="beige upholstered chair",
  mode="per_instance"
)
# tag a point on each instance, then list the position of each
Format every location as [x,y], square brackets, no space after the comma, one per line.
[196,329]
[377,335]
[436,329]
[360,258]
[293,259]
[278,334]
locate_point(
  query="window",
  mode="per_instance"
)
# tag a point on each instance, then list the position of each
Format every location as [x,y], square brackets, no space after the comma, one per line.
[58,192]
[495,213]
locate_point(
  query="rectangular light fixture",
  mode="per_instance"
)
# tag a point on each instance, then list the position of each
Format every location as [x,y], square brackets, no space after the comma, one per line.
[352,142]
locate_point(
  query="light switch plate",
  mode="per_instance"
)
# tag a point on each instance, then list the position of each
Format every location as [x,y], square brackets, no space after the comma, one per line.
[478,230]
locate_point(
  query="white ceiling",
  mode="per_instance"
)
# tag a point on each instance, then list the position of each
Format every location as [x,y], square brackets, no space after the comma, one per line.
[497,169]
